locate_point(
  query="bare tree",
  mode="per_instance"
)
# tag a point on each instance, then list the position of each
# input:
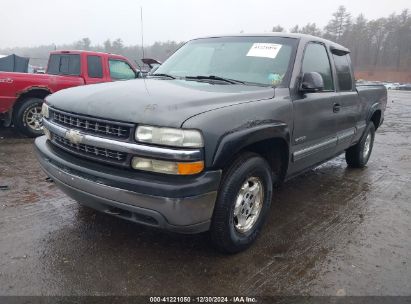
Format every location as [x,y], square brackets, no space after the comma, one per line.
[117,46]
[311,29]
[278,28]
[83,44]
[357,37]
[295,29]
[378,33]
[107,46]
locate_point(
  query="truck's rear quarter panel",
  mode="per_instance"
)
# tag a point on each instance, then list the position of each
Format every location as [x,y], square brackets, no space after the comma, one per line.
[372,98]
[13,85]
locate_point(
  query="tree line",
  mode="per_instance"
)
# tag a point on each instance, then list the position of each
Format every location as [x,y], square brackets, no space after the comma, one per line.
[383,43]
[39,55]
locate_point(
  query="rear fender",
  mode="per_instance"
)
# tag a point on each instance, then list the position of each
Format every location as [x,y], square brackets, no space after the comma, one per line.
[374,107]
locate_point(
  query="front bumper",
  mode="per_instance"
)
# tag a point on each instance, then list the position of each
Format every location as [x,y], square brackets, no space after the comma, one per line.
[181,204]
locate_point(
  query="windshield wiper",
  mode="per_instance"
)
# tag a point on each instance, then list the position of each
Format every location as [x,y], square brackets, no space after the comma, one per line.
[163,75]
[213,77]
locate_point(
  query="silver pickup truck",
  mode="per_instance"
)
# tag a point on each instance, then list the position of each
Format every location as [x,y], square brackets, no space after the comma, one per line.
[199,144]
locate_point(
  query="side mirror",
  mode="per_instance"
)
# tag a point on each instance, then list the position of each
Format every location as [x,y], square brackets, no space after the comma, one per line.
[151,62]
[312,82]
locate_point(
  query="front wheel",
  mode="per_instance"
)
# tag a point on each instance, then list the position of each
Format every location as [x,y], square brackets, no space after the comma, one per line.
[27,117]
[242,204]
[358,155]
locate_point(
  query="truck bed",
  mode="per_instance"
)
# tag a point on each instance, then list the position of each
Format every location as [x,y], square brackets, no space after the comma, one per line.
[373,92]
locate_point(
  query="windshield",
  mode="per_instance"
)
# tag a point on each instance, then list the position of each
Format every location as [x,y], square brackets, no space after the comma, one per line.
[259,60]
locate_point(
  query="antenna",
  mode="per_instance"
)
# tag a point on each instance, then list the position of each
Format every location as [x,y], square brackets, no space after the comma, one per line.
[142,34]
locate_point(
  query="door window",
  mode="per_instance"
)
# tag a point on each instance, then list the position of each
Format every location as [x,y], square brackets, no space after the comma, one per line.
[316,60]
[64,64]
[94,67]
[342,66]
[121,70]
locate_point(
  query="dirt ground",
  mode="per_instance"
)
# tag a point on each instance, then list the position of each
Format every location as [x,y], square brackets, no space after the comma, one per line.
[332,231]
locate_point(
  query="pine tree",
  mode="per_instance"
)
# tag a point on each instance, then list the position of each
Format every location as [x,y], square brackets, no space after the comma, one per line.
[340,22]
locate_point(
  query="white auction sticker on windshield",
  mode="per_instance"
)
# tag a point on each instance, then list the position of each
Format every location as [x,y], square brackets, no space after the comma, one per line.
[267,50]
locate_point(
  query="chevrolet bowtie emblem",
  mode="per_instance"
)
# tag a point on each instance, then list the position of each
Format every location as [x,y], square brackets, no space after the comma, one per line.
[74,136]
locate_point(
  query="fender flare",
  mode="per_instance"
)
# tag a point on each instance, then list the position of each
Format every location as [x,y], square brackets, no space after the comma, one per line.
[374,108]
[29,89]
[234,141]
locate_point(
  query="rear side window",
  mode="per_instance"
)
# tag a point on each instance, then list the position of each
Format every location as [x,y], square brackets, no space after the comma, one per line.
[316,60]
[64,64]
[94,67]
[121,70]
[342,65]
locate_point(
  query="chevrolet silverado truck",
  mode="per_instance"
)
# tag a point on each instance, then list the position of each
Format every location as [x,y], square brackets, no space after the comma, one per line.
[201,143]
[22,94]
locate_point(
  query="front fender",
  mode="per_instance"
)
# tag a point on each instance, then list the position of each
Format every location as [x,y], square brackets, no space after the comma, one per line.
[234,141]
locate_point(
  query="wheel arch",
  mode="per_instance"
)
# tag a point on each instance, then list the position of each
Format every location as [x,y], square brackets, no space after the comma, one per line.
[34,92]
[375,115]
[271,141]
[376,118]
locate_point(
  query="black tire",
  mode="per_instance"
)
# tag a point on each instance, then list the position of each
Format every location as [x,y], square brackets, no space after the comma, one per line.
[21,114]
[357,156]
[224,234]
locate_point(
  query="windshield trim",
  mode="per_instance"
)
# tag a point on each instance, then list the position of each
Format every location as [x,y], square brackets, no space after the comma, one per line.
[223,80]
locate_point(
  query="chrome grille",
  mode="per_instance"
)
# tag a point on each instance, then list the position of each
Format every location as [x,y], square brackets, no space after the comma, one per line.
[90,151]
[90,125]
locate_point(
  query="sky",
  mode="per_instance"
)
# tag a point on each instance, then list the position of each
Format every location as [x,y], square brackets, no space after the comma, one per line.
[44,22]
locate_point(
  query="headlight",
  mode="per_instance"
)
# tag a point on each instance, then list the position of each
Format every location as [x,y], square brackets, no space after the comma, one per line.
[169,136]
[167,167]
[45,110]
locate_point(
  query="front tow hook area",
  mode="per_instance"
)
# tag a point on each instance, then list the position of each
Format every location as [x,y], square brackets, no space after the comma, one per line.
[129,215]
[114,211]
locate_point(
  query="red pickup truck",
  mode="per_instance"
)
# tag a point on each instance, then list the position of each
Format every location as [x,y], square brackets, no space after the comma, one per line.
[22,94]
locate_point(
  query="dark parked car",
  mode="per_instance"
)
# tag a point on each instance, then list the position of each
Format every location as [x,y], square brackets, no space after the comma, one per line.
[199,144]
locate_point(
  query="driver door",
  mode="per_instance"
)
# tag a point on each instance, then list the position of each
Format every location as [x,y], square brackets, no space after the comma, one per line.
[314,135]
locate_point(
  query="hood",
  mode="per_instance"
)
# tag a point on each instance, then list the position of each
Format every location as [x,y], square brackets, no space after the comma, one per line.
[154,101]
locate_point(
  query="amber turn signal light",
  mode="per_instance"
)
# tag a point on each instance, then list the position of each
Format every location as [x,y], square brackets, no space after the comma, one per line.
[190,168]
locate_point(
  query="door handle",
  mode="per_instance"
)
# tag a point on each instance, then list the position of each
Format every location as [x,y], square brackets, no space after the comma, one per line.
[336,107]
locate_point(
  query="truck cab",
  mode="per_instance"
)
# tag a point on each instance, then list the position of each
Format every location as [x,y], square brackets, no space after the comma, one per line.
[91,67]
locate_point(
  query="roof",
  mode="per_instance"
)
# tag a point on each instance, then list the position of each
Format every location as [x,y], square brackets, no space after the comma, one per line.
[83,52]
[303,37]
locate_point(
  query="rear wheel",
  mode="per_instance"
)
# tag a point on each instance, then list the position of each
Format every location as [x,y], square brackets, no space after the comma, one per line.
[27,117]
[242,204]
[357,156]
